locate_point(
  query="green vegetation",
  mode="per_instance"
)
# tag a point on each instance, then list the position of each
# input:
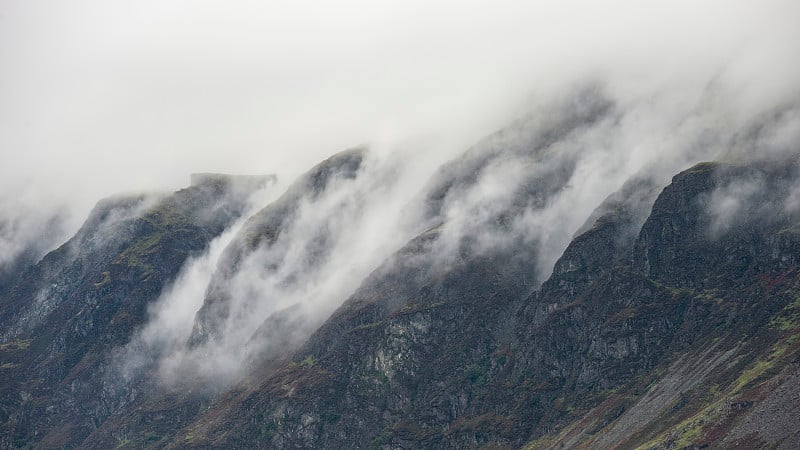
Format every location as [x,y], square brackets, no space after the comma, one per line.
[383,438]
[690,431]
[167,214]
[706,295]
[151,436]
[16,344]
[709,295]
[478,374]
[681,292]
[789,318]
[367,326]
[483,423]
[268,430]
[308,361]
[106,279]
[622,315]
[137,255]
[165,217]
[414,307]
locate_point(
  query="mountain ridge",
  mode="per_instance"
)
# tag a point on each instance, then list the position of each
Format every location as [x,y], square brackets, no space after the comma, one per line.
[669,318]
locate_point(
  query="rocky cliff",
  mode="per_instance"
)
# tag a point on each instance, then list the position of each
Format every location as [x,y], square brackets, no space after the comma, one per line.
[671,320]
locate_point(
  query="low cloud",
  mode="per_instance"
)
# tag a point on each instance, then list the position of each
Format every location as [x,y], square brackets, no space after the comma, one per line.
[101,97]
[527,190]
[328,246]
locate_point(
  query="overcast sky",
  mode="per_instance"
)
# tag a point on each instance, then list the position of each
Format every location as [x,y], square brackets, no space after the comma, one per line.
[98,97]
[105,96]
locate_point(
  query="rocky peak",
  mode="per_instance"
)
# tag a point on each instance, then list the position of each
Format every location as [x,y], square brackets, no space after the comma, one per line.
[715,213]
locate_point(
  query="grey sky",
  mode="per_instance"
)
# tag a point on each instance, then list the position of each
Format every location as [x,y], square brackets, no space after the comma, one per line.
[98,97]
[106,96]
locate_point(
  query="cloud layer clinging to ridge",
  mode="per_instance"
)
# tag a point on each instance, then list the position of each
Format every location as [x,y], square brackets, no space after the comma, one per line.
[98,97]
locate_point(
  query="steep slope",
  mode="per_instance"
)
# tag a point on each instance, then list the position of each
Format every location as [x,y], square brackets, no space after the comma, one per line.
[476,290]
[737,353]
[67,312]
[261,247]
[423,262]
[670,320]
[462,359]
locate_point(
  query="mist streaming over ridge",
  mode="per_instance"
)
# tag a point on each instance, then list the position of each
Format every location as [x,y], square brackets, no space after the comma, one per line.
[523,192]
[171,314]
[612,92]
[446,224]
[294,261]
[101,97]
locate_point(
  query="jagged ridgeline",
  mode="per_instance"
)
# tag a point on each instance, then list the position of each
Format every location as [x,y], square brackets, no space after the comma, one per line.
[517,311]
[615,349]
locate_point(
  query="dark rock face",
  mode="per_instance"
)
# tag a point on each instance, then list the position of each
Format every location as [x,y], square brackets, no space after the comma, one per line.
[464,359]
[671,320]
[68,311]
[735,285]
[716,214]
[605,241]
